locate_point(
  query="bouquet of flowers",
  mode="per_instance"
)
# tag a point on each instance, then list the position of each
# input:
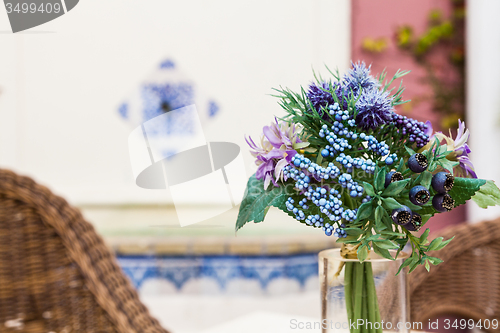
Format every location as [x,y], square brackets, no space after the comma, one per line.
[342,160]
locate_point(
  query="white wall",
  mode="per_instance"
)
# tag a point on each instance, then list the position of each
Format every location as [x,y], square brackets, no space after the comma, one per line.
[483,106]
[61,82]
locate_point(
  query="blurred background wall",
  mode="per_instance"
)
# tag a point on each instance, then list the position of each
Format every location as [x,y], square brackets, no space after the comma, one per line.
[483,97]
[426,37]
[62,82]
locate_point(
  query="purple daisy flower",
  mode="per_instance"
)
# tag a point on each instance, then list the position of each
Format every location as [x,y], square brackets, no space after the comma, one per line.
[278,145]
[374,109]
[459,148]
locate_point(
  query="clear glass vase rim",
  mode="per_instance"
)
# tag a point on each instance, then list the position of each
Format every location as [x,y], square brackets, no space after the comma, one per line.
[334,254]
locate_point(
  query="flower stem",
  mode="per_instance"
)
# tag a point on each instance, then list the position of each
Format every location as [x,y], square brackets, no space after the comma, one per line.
[358,293]
[361,298]
[364,311]
[373,310]
[348,282]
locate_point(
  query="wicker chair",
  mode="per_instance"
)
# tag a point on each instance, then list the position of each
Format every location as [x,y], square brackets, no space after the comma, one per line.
[467,283]
[56,274]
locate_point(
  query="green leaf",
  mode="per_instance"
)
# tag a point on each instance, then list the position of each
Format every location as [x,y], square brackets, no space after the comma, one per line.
[364,211]
[423,237]
[354,231]
[386,244]
[406,263]
[392,233]
[488,195]
[425,179]
[414,265]
[380,225]
[380,180]
[435,244]
[425,218]
[395,188]
[382,252]
[348,240]
[464,189]
[362,253]
[372,237]
[427,266]
[434,260]
[410,151]
[411,205]
[442,149]
[401,165]
[443,244]
[379,213]
[446,164]
[369,189]
[319,159]
[390,203]
[257,201]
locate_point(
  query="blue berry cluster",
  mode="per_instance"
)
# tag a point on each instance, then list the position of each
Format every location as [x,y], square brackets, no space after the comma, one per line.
[336,143]
[313,169]
[360,163]
[340,115]
[414,129]
[315,220]
[346,181]
[380,148]
[299,214]
[349,215]
[329,202]
[390,159]
[337,232]
[366,199]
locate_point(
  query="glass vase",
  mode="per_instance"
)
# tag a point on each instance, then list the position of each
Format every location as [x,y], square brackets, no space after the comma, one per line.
[364,297]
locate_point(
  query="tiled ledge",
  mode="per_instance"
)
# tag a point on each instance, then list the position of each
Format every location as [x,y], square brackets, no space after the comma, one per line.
[211,245]
[154,230]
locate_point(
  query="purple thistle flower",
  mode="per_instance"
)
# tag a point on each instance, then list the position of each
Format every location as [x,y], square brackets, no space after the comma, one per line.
[321,98]
[359,77]
[278,145]
[374,109]
[318,96]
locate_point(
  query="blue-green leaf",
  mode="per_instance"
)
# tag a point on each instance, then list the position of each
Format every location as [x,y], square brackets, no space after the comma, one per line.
[425,179]
[362,253]
[488,195]
[379,213]
[386,244]
[380,180]
[435,244]
[364,211]
[369,189]
[382,252]
[410,151]
[390,203]
[465,188]
[423,237]
[395,188]
[257,201]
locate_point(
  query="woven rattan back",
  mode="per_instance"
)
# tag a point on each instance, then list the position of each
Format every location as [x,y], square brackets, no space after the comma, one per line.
[467,283]
[56,274]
